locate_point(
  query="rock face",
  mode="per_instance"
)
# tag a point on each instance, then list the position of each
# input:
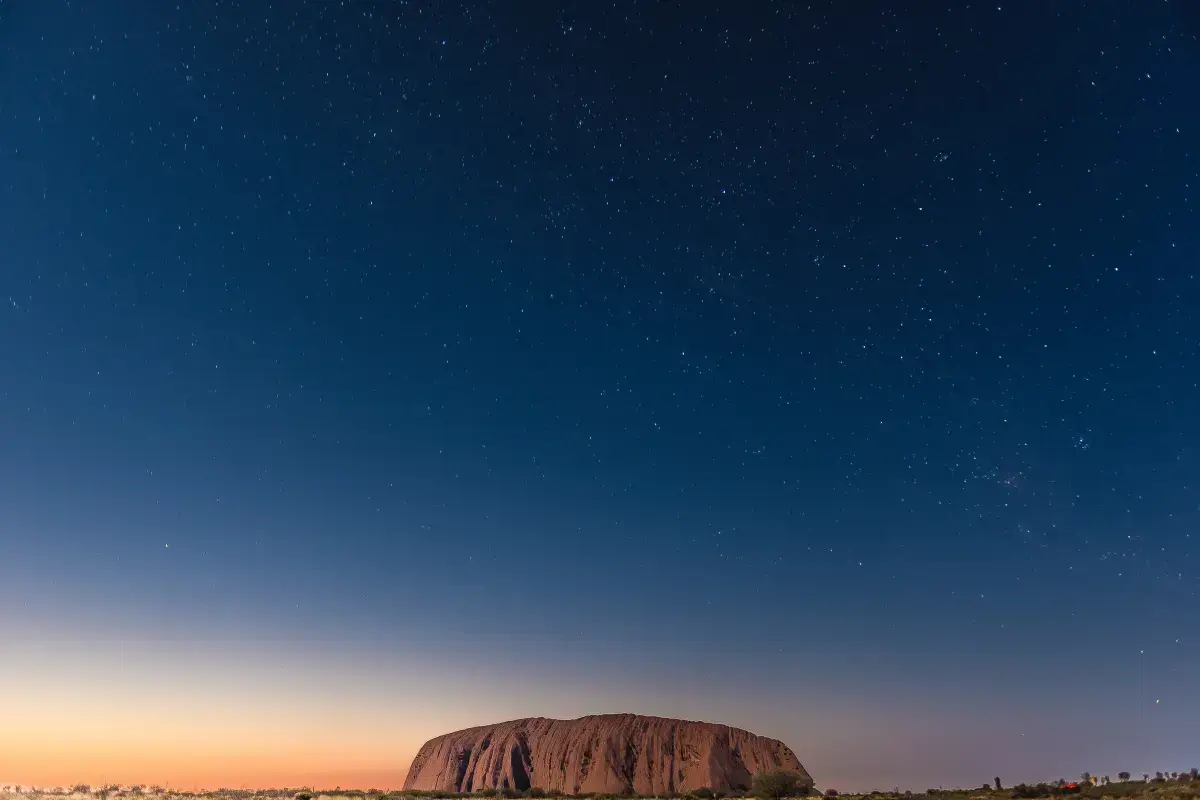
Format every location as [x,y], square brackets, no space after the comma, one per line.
[610,753]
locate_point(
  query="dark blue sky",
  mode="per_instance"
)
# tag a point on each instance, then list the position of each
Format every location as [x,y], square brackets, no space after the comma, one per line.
[855,343]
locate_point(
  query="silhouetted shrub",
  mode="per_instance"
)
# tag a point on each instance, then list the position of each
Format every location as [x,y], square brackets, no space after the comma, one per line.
[778,783]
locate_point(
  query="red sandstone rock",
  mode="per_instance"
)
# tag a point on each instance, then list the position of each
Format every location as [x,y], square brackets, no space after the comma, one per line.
[611,753]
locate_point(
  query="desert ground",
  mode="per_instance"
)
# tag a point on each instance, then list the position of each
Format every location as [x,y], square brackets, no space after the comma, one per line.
[1170,786]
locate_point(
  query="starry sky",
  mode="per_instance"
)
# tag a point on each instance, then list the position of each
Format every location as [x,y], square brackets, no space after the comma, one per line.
[373,369]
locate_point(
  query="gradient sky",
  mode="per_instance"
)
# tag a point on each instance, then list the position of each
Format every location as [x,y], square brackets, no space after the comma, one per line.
[370,370]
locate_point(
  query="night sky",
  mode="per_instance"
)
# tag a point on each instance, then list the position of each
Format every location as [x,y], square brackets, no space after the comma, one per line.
[370,370]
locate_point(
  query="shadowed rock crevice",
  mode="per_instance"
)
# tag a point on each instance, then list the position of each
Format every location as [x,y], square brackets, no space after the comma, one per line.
[519,765]
[609,754]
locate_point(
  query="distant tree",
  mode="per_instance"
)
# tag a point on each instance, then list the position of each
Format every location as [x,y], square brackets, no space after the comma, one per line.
[1122,776]
[831,792]
[778,783]
[1194,772]
[1158,776]
[704,793]
[1106,780]
[1085,777]
[997,780]
[1146,777]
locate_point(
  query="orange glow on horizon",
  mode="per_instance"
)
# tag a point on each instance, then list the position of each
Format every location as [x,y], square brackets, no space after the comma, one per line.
[101,707]
[204,717]
[57,766]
